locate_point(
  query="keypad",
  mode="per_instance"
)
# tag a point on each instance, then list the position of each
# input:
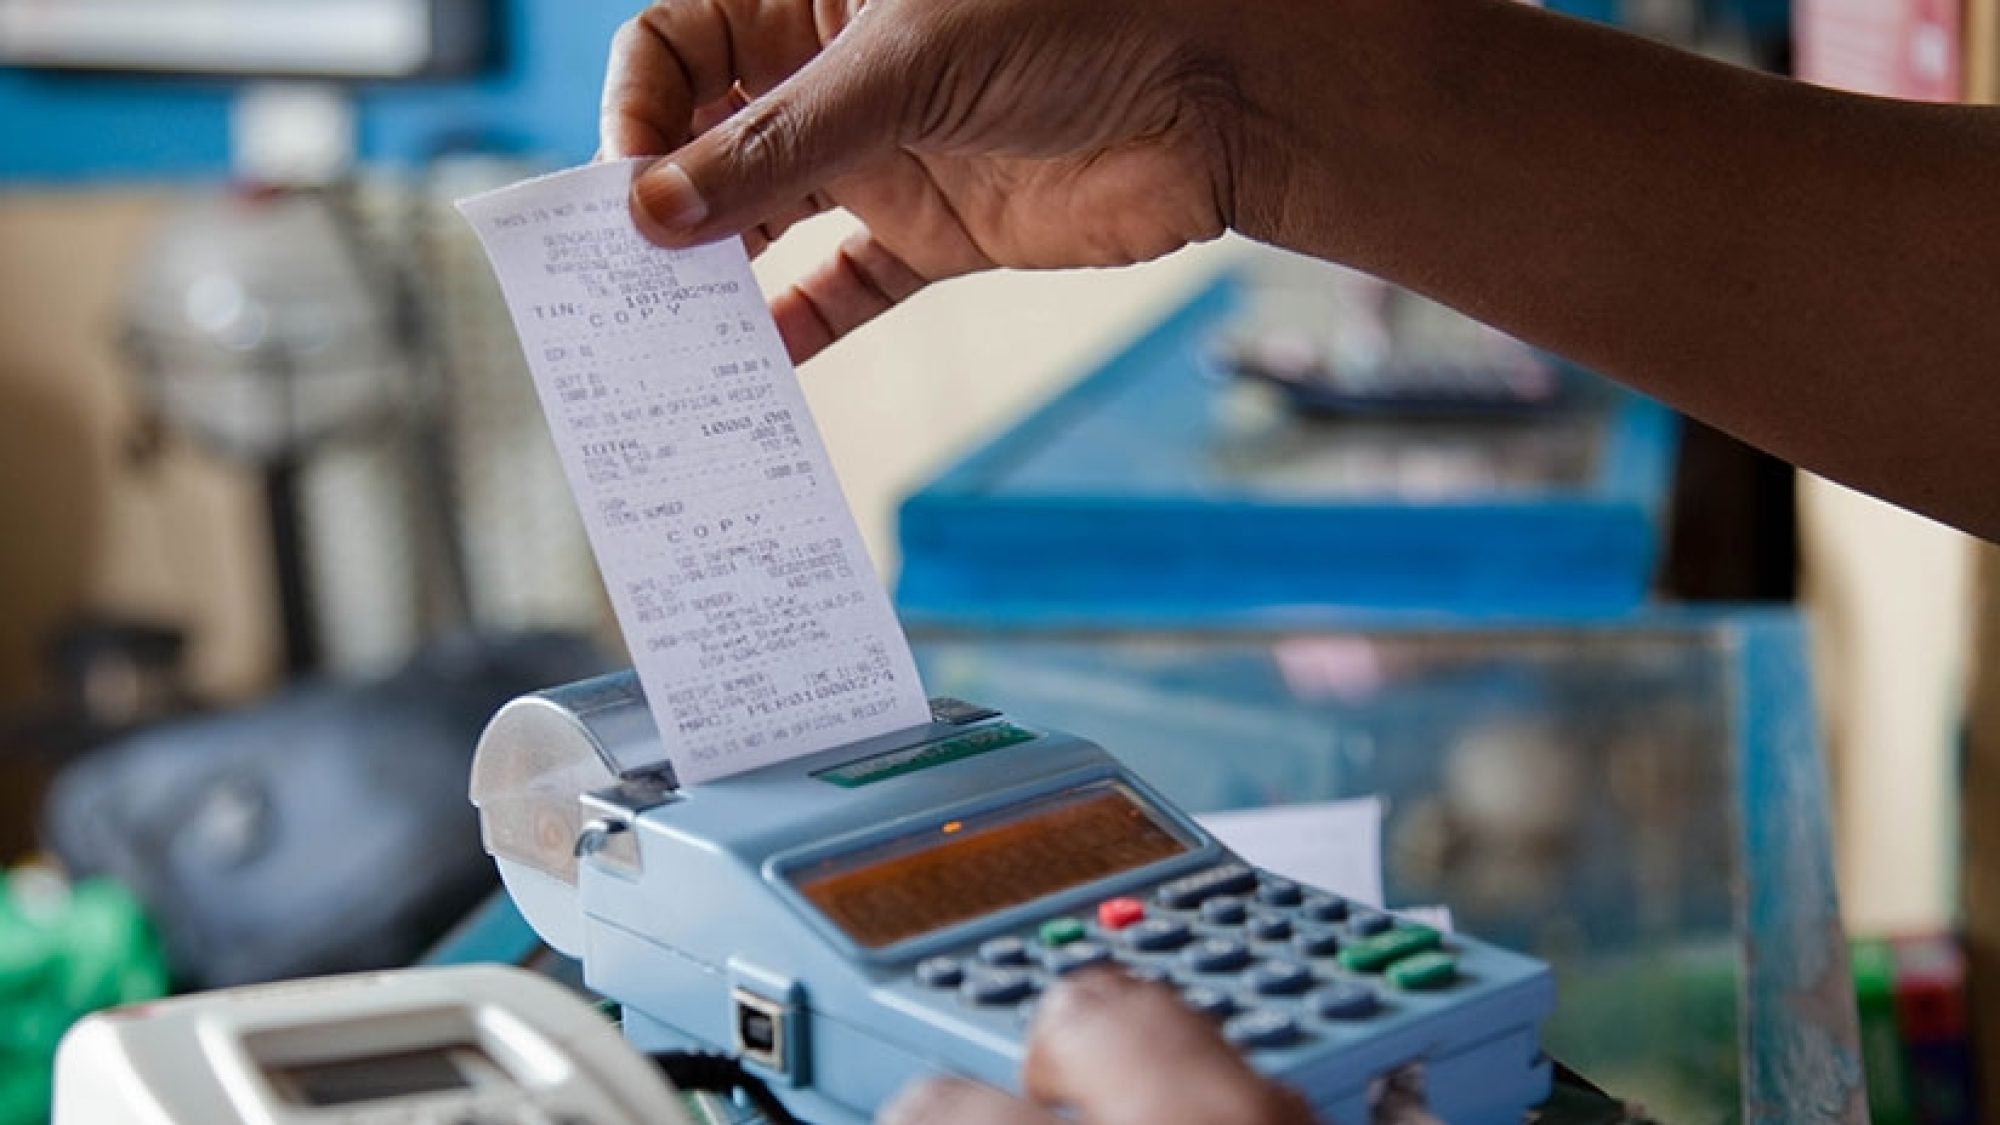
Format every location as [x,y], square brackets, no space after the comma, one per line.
[1279,978]
[1225,911]
[1157,935]
[1344,1001]
[989,987]
[1279,892]
[1211,1002]
[1262,1027]
[1118,913]
[1423,972]
[1372,955]
[1078,955]
[1061,931]
[1004,951]
[1217,955]
[1274,962]
[1326,908]
[1191,891]
[940,972]
[1270,927]
[1317,943]
[1368,923]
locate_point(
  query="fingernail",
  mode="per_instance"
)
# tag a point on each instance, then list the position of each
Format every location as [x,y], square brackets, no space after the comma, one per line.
[1083,991]
[670,201]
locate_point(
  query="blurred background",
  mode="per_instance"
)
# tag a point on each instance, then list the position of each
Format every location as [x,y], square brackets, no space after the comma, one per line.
[280,526]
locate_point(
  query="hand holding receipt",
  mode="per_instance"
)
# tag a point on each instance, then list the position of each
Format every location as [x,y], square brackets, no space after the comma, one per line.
[754,617]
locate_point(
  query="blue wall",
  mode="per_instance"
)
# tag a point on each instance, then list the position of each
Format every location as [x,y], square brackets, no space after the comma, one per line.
[66,128]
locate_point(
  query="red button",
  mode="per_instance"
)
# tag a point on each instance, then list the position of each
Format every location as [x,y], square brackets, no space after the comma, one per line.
[1118,913]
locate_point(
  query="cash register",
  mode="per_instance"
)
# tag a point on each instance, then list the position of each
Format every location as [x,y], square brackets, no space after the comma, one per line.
[852,920]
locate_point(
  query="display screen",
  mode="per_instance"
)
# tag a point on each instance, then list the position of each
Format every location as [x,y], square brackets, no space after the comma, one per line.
[378,1077]
[966,869]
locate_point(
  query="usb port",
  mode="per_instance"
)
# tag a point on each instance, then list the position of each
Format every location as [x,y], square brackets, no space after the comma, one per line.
[760,1030]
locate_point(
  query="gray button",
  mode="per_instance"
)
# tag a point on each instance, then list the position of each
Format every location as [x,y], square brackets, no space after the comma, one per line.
[1188,893]
[1226,911]
[1280,978]
[1279,892]
[1317,943]
[997,986]
[1149,972]
[1156,934]
[1004,951]
[1218,955]
[1270,927]
[1327,909]
[1345,1001]
[1211,1002]
[1368,923]
[1261,1027]
[1077,955]
[940,972]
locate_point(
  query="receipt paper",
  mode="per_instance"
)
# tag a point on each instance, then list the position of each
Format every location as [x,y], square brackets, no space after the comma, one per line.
[754,617]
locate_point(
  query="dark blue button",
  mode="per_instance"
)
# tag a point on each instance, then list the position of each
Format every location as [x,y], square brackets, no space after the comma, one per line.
[997,986]
[1218,955]
[1211,1002]
[1280,978]
[940,972]
[1157,934]
[1077,955]
[1279,892]
[1317,943]
[1328,909]
[1191,891]
[1345,1001]
[1270,927]
[1225,911]
[1261,1027]
[1368,923]
[1004,951]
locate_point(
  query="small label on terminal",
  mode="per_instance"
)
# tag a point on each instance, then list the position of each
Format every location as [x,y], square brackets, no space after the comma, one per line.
[957,748]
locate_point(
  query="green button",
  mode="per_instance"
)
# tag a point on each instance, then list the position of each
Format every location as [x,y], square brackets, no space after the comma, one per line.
[1424,972]
[1061,931]
[1372,955]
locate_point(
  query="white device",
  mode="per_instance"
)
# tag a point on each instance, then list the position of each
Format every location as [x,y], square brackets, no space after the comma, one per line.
[466,1043]
[301,38]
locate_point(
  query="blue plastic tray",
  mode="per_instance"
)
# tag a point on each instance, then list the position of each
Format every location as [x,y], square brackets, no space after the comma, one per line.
[1154,485]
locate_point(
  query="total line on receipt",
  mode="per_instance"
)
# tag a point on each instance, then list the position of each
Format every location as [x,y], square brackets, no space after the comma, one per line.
[755,620]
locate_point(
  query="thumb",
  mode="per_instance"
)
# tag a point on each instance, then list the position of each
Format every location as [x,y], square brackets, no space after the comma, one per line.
[1125,1053]
[835,114]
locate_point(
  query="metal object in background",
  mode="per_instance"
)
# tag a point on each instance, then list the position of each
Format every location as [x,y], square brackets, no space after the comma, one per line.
[257,328]
[1337,342]
[526,561]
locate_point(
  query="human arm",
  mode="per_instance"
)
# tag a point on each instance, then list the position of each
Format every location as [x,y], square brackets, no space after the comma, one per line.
[1818,273]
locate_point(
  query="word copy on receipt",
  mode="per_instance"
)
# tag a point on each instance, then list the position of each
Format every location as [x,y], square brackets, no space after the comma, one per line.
[756,623]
